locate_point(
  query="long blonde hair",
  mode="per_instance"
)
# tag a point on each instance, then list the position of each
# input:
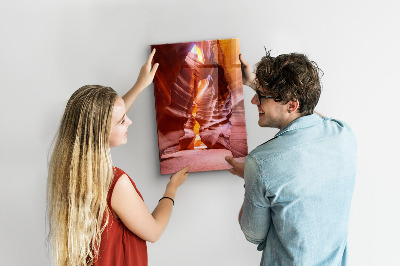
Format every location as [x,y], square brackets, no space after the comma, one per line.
[80,173]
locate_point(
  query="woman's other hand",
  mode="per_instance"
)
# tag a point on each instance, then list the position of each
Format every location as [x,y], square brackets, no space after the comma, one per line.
[176,180]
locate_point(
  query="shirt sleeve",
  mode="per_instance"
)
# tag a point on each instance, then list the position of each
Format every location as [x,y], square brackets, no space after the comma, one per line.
[256,217]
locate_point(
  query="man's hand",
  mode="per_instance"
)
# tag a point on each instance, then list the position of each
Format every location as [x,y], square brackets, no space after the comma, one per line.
[146,74]
[248,76]
[238,168]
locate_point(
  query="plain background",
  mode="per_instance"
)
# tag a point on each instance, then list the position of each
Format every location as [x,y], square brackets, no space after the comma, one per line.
[49,49]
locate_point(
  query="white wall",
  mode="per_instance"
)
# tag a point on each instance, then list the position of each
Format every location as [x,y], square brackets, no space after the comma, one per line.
[48,49]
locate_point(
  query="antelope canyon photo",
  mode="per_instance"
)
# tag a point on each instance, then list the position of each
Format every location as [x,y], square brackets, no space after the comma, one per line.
[199,105]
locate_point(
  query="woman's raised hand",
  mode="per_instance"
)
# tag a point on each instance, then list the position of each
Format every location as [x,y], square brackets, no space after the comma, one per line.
[145,78]
[146,74]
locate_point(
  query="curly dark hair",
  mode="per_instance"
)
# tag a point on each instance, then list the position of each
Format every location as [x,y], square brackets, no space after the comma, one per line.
[290,77]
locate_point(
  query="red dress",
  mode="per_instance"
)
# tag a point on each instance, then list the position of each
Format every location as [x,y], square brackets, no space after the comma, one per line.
[119,246]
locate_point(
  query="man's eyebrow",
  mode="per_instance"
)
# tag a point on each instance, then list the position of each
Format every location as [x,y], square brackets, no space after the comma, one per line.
[121,118]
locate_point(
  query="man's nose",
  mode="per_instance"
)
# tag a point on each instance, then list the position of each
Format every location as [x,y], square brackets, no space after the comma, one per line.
[254,100]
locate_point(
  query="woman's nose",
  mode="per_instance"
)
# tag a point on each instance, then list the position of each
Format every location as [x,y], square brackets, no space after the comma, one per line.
[129,122]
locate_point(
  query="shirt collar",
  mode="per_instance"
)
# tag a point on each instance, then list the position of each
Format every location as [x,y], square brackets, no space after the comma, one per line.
[301,122]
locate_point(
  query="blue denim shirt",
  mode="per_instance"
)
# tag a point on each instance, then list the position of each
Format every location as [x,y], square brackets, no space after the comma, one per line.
[298,190]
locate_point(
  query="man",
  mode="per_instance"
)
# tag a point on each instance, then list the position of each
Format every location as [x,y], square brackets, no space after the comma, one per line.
[299,184]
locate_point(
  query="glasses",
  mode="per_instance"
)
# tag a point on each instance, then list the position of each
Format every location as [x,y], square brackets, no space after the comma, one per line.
[265,97]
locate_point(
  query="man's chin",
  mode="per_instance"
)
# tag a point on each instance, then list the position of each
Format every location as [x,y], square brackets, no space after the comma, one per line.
[265,124]
[261,123]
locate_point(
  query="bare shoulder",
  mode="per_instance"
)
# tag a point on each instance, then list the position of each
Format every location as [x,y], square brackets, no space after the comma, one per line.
[124,180]
[123,191]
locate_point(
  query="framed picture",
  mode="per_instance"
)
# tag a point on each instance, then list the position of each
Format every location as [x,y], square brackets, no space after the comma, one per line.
[199,105]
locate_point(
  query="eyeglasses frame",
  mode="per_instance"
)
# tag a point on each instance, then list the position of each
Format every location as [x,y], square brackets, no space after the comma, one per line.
[276,99]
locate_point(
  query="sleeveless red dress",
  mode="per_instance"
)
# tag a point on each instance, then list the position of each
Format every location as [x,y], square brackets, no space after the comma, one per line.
[119,246]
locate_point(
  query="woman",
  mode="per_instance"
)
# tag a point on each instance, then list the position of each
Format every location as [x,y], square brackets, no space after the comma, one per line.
[96,214]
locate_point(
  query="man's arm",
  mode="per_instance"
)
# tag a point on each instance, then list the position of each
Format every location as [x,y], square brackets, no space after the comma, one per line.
[248,75]
[254,216]
[237,169]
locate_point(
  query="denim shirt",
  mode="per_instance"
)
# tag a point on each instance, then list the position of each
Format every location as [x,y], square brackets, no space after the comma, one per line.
[298,191]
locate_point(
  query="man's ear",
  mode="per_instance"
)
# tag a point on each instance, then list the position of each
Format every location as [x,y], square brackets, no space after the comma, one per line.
[293,105]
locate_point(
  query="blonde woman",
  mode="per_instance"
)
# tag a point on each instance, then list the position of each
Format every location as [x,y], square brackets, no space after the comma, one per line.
[96,214]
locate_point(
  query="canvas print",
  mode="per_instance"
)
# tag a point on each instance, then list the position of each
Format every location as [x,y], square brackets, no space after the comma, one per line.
[199,105]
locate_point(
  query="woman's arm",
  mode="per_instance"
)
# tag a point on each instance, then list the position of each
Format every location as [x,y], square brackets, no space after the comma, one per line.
[131,209]
[145,78]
